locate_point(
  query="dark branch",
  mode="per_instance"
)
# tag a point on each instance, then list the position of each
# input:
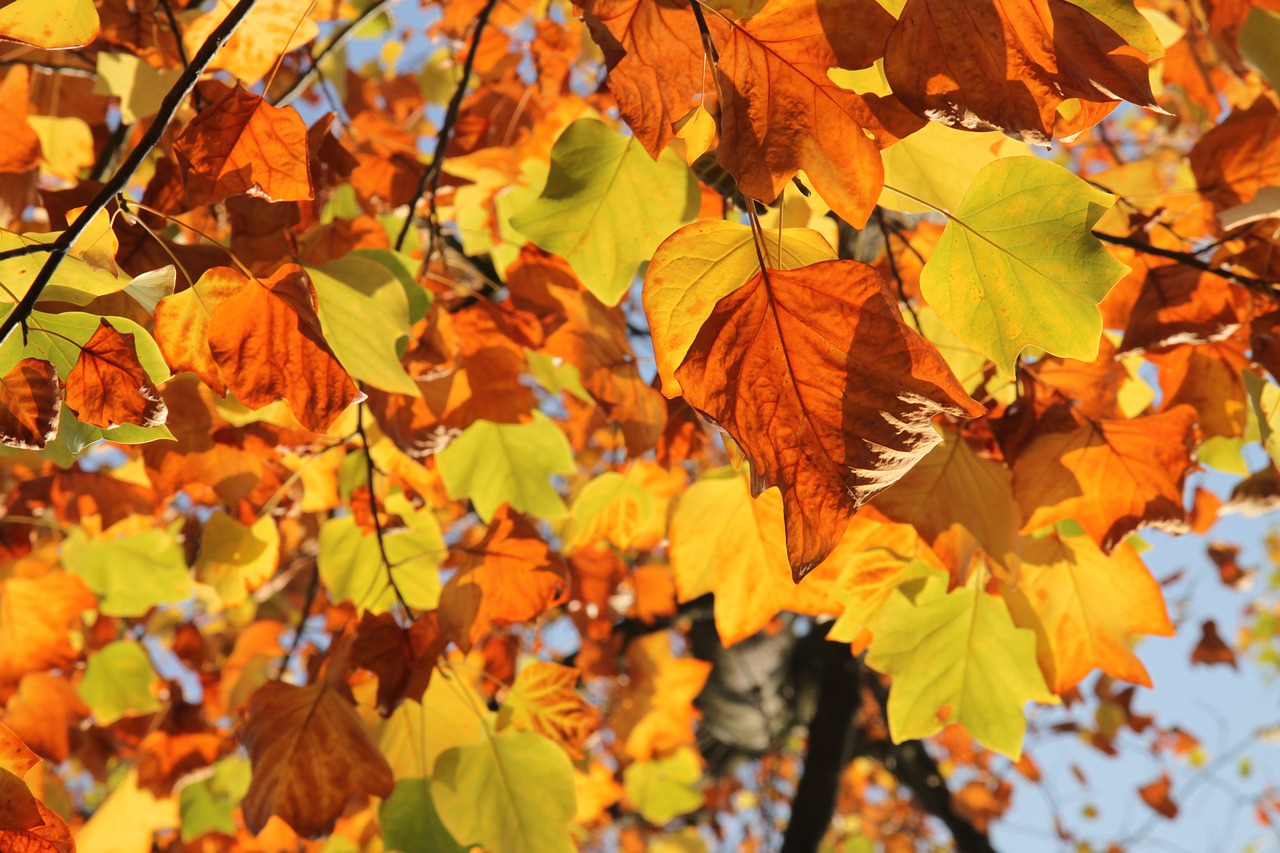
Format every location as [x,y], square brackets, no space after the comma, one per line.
[340,38]
[379,533]
[168,108]
[431,177]
[1265,286]
[831,742]
[177,32]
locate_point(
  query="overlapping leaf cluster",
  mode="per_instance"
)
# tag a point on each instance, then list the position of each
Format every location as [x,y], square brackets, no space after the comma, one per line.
[357,491]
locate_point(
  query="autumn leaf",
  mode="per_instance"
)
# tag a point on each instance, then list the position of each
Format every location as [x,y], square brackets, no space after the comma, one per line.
[1211,649]
[1111,476]
[1017,265]
[724,542]
[267,343]
[519,475]
[1240,156]
[765,365]
[1017,82]
[701,264]
[119,681]
[108,386]
[52,836]
[509,576]
[60,25]
[1157,795]
[662,789]
[236,558]
[545,700]
[1086,608]
[242,144]
[956,657]
[311,754]
[780,112]
[272,28]
[607,205]
[513,792]
[19,809]
[35,614]
[30,401]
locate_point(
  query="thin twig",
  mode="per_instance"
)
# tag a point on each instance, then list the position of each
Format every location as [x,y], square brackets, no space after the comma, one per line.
[1270,287]
[29,249]
[168,108]
[340,38]
[431,176]
[176,29]
[893,267]
[378,532]
[110,151]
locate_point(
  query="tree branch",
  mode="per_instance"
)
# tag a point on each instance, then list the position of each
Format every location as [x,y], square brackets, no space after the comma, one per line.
[831,741]
[1265,286]
[168,108]
[432,174]
[340,38]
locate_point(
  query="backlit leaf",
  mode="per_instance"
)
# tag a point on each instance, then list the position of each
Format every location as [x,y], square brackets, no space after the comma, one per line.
[607,205]
[242,144]
[30,400]
[1017,265]
[108,385]
[545,699]
[35,619]
[236,558]
[956,657]
[1086,608]
[132,573]
[119,682]
[830,395]
[662,789]
[53,26]
[493,464]
[311,754]
[511,794]
[1016,82]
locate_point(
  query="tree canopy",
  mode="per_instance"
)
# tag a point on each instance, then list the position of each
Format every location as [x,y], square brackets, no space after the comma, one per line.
[643,425]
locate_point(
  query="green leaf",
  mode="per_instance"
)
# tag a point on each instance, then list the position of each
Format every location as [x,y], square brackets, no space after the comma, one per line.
[610,496]
[352,569]
[1128,23]
[936,164]
[209,805]
[493,464]
[405,269]
[1266,405]
[1258,39]
[1017,265]
[58,338]
[365,316]
[662,789]
[235,557]
[556,375]
[607,205]
[956,656]
[118,681]
[76,283]
[510,794]
[410,822]
[131,574]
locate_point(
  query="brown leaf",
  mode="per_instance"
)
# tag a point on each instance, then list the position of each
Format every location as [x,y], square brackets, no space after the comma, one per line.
[311,754]
[1156,795]
[1240,156]
[830,395]
[1112,476]
[1182,305]
[240,144]
[1226,557]
[509,576]
[1212,650]
[267,343]
[108,385]
[54,836]
[1008,64]
[30,399]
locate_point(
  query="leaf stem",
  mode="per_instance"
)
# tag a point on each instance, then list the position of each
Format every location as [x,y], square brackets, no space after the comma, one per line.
[340,38]
[168,109]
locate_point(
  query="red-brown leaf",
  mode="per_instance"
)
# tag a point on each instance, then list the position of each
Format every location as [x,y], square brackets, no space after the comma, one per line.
[29,404]
[108,385]
[830,395]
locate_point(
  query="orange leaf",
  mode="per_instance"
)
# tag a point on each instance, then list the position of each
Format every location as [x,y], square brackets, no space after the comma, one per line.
[1182,305]
[545,699]
[1212,649]
[43,712]
[830,395]
[311,754]
[1156,795]
[182,324]
[780,112]
[18,806]
[1240,156]
[19,145]
[267,343]
[54,836]
[108,385]
[242,144]
[654,713]
[34,617]
[1111,476]
[510,576]
[29,404]
[1034,55]
[1086,608]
